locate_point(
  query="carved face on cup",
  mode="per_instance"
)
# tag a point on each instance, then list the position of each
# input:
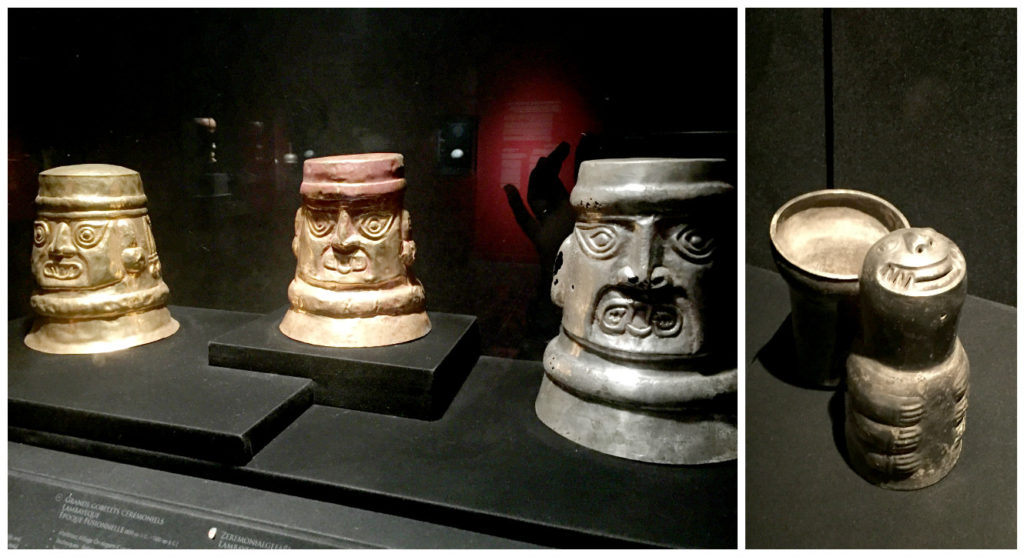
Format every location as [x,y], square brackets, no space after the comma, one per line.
[916,260]
[341,243]
[90,253]
[913,285]
[631,285]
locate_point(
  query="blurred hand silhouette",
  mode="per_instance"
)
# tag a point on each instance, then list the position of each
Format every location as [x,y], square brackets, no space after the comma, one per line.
[549,224]
[552,218]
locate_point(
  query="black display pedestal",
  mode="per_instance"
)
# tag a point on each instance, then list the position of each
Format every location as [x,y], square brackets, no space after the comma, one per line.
[487,473]
[490,465]
[415,379]
[160,396]
[801,493]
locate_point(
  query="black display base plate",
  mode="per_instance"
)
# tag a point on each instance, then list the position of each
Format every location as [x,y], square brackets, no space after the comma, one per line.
[160,396]
[61,500]
[487,466]
[801,493]
[416,379]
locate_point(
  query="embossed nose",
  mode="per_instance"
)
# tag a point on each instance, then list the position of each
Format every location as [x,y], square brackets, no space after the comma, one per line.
[917,242]
[346,245]
[659,277]
[345,239]
[62,245]
[644,268]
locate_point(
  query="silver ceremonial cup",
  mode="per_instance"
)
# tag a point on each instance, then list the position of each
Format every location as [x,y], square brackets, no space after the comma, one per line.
[819,240]
[644,365]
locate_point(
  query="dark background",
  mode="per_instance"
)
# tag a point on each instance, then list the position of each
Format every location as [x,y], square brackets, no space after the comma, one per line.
[123,87]
[924,114]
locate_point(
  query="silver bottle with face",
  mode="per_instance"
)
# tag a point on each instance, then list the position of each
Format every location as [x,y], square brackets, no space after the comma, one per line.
[644,365]
[907,377]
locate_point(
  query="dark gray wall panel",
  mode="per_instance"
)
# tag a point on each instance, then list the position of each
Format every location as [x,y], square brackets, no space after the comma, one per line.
[785,116]
[925,116]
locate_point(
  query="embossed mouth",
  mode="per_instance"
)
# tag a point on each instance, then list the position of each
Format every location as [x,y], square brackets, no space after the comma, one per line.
[345,262]
[637,315]
[65,270]
[929,277]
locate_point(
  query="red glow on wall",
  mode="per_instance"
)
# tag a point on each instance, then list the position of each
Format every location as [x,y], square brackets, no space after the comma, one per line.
[529,114]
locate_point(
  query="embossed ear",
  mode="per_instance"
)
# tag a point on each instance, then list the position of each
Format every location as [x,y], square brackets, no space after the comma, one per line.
[132,256]
[298,228]
[558,280]
[406,225]
[408,254]
[134,259]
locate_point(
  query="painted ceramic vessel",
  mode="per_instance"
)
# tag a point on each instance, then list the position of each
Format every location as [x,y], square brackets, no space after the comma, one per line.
[353,284]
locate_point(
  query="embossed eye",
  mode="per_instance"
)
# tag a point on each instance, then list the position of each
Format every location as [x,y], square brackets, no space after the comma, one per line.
[87,235]
[42,232]
[320,223]
[375,225]
[693,243]
[598,240]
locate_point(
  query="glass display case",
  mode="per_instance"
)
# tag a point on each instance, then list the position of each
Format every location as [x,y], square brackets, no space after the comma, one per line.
[430,442]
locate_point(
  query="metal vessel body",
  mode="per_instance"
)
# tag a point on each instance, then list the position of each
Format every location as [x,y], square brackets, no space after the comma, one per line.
[644,366]
[819,240]
[98,276]
[908,376]
[353,284]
